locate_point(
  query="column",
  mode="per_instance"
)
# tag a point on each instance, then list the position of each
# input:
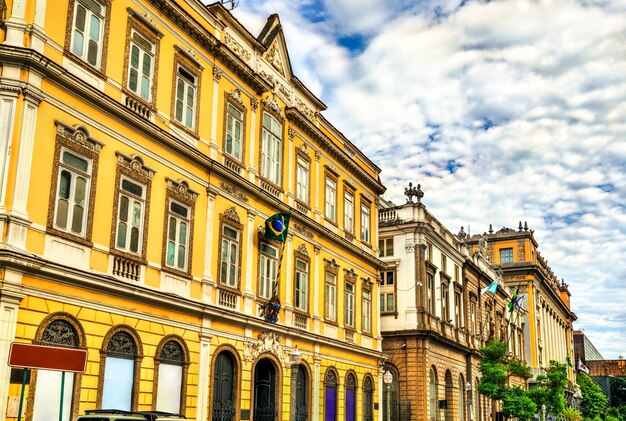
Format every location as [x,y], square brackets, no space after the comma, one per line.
[8,101]
[204,374]
[316,385]
[16,25]
[317,273]
[252,172]
[291,169]
[207,279]
[9,307]
[18,226]
[318,182]
[39,38]
[408,303]
[213,145]
[288,262]
[248,294]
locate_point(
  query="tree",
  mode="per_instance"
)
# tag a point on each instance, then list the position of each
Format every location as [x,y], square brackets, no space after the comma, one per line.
[571,414]
[551,388]
[496,369]
[593,402]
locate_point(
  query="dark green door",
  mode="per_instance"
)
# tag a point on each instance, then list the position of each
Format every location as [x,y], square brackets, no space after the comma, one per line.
[265,391]
[223,373]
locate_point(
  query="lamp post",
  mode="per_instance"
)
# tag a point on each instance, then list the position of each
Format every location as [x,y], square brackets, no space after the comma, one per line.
[388,379]
[294,359]
[543,411]
[468,389]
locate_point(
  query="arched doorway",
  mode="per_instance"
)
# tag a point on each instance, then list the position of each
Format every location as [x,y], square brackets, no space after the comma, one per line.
[301,396]
[223,388]
[265,391]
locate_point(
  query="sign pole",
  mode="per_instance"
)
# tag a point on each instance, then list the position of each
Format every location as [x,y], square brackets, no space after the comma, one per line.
[19,411]
[62,393]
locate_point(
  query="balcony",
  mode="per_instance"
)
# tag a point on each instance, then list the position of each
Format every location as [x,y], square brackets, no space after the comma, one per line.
[137,107]
[227,299]
[126,268]
[300,320]
[232,165]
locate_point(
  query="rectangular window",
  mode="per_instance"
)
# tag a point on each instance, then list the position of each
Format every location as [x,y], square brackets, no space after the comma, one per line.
[141,65]
[506,255]
[130,216]
[444,263]
[302,285]
[271,148]
[366,309]
[387,291]
[88,31]
[349,305]
[429,252]
[229,264]
[186,97]
[430,288]
[330,297]
[178,236]
[73,188]
[331,199]
[234,132]
[348,212]
[302,180]
[445,302]
[268,265]
[365,223]
[386,247]
[387,303]
[473,317]
[457,309]
[456,273]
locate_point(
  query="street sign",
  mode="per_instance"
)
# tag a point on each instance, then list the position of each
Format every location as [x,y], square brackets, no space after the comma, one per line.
[47,357]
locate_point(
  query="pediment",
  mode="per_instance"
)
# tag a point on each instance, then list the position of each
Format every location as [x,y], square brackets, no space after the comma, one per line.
[276,54]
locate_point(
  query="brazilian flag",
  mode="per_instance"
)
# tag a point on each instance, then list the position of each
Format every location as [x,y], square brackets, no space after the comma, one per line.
[276,227]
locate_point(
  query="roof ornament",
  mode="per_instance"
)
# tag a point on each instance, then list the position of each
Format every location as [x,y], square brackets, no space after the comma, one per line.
[462,234]
[230,4]
[411,192]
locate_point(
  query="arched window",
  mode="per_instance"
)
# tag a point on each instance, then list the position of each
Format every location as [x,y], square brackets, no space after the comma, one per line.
[224,387]
[476,401]
[368,399]
[171,364]
[330,396]
[119,372]
[302,395]
[59,333]
[449,397]
[432,395]
[350,397]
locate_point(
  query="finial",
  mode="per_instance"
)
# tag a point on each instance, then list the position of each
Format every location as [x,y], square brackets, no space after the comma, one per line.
[490,229]
[520,226]
[411,191]
[525,226]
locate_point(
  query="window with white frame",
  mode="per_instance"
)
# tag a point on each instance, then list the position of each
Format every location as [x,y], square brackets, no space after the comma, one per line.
[506,255]
[349,304]
[430,290]
[330,297]
[185,97]
[88,31]
[130,216]
[473,317]
[271,148]
[348,211]
[141,65]
[268,266]
[457,309]
[302,180]
[229,258]
[365,223]
[445,302]
[387,291]
[177,236]
[234,132]
[73,191]
[385,246]
[366,310]
[301,285]
[331,199]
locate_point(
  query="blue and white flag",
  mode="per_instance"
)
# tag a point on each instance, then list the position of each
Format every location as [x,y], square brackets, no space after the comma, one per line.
[492,288]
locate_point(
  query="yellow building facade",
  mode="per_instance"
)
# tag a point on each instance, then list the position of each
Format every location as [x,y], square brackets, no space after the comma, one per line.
[143,145]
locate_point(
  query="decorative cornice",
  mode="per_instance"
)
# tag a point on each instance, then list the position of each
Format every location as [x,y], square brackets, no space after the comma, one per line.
[134,163]
[181,187]
[303,230]
[235,95]
[234,191]
[231,213]
[271,104]
[78,134]
[298,119]
[237,48]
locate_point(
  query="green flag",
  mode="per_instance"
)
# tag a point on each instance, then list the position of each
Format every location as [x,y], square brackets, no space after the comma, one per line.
[276,227]
[513,301]
[568,361]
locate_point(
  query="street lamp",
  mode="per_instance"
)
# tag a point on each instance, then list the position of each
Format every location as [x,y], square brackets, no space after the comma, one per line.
[543,411]
[294,359]
[388,379]
[468,389]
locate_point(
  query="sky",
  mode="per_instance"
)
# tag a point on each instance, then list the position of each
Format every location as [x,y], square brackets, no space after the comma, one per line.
[503,111]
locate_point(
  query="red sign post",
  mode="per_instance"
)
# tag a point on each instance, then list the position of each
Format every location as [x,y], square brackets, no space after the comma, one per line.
[46,358]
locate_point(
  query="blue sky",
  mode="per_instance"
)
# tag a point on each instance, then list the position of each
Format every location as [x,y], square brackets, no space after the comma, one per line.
[504,111]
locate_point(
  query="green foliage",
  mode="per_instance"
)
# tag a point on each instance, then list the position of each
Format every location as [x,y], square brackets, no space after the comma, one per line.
[554,383]
[517,404]
[593,402]
[571,414]
[613,414]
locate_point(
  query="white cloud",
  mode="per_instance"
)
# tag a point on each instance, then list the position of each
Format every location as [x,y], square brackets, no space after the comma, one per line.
[525,98]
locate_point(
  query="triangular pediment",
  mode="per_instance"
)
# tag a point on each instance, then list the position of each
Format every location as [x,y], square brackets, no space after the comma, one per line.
[273,38]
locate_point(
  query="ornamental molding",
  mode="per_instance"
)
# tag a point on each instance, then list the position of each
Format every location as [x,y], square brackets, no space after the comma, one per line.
[266,342]
[308,113]
[236,47]
[135,163]
[303,230]
[231,213]
[78,134]
[217,74]
[271,104]
[235,95]
[181,187]
[302,250]
[303,148]
[234,191]
[274,58]
[410,247]
[254,103]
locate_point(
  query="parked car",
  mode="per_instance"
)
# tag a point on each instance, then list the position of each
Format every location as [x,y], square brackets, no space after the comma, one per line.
[121,415]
